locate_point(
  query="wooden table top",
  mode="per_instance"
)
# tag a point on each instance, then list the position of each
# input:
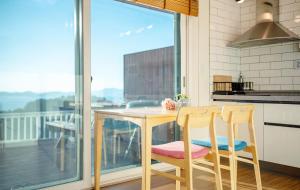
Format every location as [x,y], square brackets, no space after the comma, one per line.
[147,112]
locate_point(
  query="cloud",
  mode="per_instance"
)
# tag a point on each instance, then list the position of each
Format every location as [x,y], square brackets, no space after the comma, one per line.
[149,26]
[68,24]
[140,30]
[136,31]
[123,34]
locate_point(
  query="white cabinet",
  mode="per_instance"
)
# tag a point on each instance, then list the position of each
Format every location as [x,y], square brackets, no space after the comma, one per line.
[282,145]
[282,113]
[281,135]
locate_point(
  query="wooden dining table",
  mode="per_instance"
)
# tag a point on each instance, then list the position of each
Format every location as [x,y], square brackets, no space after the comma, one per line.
[146,118]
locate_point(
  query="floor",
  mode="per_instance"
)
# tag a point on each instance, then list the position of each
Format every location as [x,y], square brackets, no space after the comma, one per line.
[40,164]
[31,165]
[203,181]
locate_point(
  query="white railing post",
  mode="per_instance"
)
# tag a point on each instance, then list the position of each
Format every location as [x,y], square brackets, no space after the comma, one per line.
[30,128]
[20,127]
[5,129]
[44,126]
[37,124]
[11,129]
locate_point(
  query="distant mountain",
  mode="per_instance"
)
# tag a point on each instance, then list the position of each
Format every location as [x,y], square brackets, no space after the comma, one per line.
[17,100]
[112,94]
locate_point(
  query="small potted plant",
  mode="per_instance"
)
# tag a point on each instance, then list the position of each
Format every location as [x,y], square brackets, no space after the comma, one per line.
[182,100]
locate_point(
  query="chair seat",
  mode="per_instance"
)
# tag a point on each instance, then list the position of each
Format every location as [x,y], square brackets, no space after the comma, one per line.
[176,150]
[222,143]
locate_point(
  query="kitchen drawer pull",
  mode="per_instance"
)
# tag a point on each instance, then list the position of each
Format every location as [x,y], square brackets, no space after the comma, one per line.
[282,125]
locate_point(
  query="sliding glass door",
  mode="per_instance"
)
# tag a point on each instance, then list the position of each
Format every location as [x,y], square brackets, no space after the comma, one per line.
[40,94]
[135,64]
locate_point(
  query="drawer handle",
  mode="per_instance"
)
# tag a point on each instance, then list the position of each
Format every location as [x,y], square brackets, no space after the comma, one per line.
[282,125]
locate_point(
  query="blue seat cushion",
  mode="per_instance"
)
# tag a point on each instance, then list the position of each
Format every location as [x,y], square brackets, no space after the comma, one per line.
[222,143]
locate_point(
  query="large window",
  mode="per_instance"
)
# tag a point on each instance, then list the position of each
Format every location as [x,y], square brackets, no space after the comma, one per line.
[40,90]
[134,64]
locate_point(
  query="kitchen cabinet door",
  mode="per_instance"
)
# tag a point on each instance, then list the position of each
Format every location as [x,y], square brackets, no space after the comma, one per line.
[282,134]
[282,145]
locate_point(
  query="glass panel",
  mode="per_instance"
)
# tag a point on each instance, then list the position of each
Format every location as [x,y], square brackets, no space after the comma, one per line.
[134,64]
[40,116]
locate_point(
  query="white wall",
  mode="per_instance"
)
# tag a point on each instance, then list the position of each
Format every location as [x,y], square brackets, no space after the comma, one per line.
[224,27]
[196,55]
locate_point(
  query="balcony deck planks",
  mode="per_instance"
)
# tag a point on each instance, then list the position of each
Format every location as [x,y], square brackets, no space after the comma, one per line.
[32,165]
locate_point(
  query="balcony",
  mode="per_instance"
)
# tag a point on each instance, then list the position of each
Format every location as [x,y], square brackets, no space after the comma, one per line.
[31,149]
[27,145]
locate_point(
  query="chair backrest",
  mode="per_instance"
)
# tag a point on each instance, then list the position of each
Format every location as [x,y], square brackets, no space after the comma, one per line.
[197,117]
[238,114]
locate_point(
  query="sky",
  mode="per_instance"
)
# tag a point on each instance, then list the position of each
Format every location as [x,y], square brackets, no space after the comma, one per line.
[37,42]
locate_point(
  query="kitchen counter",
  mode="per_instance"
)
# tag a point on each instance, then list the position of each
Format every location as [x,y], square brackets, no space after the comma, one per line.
[281,97]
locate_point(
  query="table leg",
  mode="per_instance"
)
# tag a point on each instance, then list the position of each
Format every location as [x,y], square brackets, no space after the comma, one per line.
[146,139]
[98,150]
[62,150]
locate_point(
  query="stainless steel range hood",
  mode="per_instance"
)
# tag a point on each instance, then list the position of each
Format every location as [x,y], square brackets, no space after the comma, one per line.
[268,30]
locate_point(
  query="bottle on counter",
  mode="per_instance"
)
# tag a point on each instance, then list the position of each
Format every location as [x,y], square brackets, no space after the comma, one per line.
[241,78]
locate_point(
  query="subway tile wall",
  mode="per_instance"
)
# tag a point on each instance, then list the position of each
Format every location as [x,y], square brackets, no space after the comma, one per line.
[272,67]
[225,19]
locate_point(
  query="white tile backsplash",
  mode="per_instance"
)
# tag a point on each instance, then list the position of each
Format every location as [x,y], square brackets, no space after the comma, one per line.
[224,27]
[249,59]
[270,73]
[275,64]
[296,80]
[270,67]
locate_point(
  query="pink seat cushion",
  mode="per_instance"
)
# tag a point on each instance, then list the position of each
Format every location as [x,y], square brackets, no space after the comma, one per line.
[176,150]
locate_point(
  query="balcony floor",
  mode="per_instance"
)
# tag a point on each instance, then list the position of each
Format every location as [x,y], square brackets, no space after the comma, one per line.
[40,163]
[31,165]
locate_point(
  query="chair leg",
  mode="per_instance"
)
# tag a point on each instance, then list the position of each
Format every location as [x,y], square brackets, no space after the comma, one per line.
[235,173]
[139,142]
[130,143]
[189,179]
[232,172]
[178,173]
[104,149]
[119,144]
[217,170]
[256,169]
[114,149]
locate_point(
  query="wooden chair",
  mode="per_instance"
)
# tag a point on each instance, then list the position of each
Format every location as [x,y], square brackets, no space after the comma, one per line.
[230,146]
[185,156]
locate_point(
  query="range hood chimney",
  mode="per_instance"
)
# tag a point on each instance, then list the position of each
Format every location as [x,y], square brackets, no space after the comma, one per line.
[267,30]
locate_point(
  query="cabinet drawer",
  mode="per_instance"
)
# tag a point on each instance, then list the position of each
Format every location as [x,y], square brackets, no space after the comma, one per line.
[282,114]
[281,145]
